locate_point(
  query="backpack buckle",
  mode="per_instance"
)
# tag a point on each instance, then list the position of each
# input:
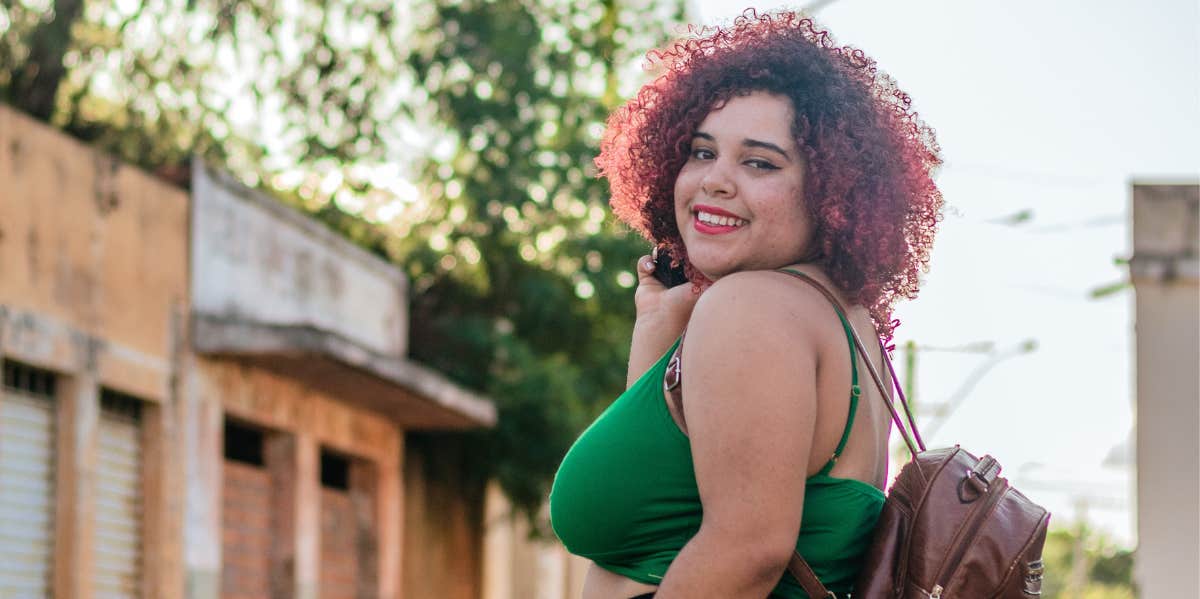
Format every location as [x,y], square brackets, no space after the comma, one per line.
[674,373]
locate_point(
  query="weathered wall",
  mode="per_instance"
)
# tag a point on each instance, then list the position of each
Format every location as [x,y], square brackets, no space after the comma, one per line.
[308,421]
[272,286]
[258,261]
[442,522]
[96,250]
[1166,274]
[93,286]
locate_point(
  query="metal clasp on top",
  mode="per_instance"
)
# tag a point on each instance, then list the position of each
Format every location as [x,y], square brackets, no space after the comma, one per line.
[976,482]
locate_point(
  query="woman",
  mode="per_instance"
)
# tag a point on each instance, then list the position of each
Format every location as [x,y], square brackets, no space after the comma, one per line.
[760,147]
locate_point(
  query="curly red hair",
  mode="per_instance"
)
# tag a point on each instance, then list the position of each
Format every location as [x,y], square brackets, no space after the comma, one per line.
[870,159]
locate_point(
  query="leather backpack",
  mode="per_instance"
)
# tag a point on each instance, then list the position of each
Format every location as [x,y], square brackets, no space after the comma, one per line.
[951,527]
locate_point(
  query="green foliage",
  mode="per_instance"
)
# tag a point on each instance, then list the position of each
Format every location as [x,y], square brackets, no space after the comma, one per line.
[454,137]
[1084,564]
[533,286]
[248,84]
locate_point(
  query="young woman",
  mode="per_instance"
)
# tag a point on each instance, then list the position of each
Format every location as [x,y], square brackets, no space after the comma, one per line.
[760,147]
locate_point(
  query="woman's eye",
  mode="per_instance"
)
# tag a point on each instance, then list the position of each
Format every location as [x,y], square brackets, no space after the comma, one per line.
[702,153]
[761,164]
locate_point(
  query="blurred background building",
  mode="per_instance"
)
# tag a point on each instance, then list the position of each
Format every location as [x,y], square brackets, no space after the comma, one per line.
[1165,270]
[208,394]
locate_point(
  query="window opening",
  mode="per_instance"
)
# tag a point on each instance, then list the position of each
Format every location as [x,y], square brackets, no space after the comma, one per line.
[243,443]
[335,471]
[28,379]
[120,403]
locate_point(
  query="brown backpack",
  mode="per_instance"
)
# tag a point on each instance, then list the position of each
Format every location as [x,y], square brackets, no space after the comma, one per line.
[951,528]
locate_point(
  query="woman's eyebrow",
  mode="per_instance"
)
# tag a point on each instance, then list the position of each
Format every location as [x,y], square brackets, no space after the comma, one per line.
[766,145]
[750,143]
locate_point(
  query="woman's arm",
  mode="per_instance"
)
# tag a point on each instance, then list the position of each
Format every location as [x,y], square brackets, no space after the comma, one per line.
[662,315]
[749,367]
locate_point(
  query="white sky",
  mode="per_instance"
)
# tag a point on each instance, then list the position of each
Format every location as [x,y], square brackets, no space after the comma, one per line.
[1052,107]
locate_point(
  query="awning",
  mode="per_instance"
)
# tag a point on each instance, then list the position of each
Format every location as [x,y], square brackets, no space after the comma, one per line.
[412,395]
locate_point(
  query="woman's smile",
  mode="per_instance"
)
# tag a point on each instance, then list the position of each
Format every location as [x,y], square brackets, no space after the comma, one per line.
[711,220]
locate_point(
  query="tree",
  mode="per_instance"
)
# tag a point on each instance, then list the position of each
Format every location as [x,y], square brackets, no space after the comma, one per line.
[522,280]
[525,89]
[1103,570]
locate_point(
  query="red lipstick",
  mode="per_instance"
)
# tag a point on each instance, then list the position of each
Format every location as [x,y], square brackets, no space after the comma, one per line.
[713,228]
[713,210]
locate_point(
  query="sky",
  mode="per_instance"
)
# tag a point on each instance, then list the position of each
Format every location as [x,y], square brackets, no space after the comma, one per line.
[1049,108]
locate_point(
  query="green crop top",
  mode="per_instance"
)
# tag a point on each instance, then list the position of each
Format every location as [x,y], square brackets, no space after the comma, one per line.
[625,495]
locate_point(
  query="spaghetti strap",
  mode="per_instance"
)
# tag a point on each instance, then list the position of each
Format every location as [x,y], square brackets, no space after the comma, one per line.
[855,393]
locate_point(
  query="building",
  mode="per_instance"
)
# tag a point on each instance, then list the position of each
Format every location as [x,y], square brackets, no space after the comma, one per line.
[1165,270]
[207,394]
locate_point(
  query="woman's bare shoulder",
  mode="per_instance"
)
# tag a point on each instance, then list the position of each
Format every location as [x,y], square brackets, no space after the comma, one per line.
[769,302]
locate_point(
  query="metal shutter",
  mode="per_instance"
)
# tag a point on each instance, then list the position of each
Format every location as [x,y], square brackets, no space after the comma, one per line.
[118,498]
[26,482]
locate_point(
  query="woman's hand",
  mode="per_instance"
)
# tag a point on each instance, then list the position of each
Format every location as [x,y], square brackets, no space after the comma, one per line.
[655,301]
[662,314]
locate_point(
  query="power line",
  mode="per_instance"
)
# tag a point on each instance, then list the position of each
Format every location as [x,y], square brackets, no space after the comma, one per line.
[813,7]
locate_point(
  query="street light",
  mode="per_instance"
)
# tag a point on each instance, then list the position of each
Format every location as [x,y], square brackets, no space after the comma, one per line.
[942,411]
[910,361]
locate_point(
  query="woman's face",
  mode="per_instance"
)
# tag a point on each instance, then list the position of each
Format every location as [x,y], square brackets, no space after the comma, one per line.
[739,197]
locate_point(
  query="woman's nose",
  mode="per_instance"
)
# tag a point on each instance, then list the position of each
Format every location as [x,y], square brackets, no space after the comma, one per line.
[716,181]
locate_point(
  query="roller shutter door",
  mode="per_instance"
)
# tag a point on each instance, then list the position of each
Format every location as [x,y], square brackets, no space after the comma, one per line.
[27,433]
[118,498]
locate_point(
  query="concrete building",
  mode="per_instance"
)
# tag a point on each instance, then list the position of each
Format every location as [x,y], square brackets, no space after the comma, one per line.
[1165,270]
[208,394]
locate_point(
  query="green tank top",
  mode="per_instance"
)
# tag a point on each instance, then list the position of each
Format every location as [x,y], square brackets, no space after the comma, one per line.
[625,495]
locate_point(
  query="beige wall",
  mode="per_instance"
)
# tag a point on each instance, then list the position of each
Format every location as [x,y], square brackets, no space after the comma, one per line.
[442,521]
[1167,288]
[75,227]
[517,565]
[81,296]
